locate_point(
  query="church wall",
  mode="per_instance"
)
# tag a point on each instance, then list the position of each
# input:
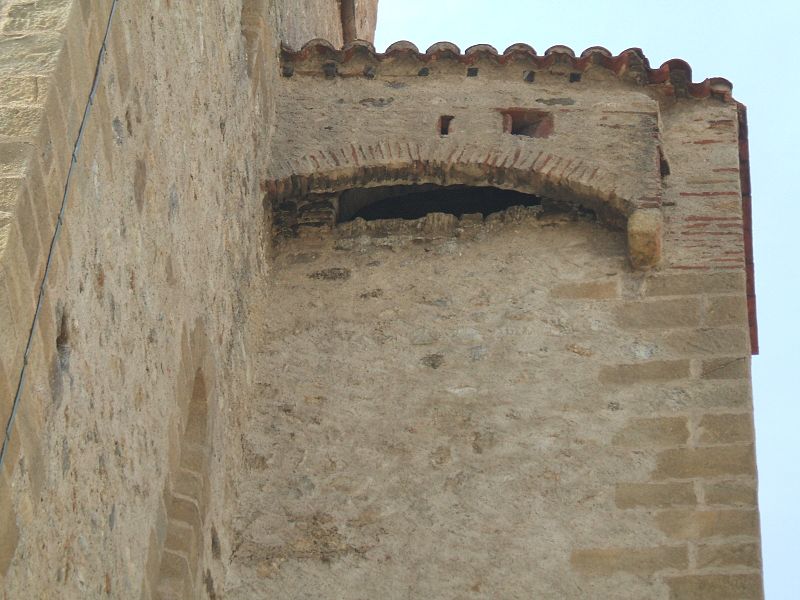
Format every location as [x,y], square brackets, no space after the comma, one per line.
[162,237]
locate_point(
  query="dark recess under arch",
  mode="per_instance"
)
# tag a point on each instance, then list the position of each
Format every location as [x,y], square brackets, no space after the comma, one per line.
[416,201]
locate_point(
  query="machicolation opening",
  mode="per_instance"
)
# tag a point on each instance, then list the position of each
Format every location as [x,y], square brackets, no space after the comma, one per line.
[415,201]
[298,216]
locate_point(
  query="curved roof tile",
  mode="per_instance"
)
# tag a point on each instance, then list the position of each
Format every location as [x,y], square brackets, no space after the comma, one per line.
[674,77]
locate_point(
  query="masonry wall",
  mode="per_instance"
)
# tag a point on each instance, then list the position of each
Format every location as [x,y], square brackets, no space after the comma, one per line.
[502,407]
[495,409]
[113,483]
[613,450]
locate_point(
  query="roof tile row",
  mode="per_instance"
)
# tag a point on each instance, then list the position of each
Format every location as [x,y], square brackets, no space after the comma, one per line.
[674,76]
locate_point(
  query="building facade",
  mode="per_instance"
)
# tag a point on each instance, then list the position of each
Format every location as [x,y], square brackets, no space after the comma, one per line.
[290,318]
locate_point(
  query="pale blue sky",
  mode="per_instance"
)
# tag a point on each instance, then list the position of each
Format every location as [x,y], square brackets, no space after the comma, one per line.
[749,43]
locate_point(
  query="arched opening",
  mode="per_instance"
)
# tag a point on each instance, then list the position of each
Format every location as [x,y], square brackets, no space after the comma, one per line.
[295,217]
[415,201]
[311,199]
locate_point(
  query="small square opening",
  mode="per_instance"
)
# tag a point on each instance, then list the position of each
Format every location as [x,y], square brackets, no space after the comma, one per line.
[424,72]
[527,122]
[529,76]
[330,70]
[574,77]
[472,71]
[444,124]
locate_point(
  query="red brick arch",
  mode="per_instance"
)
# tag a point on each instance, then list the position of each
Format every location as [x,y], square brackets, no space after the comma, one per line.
[392,163]
[512,166]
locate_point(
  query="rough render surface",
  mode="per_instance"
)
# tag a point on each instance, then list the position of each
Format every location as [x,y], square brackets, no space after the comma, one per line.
[174,387]
[497,411]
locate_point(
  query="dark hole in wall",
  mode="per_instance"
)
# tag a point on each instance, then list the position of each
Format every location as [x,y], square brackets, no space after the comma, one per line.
[216,548]
[444,124]
[528,122]
[663,164]
[416,201]
[62,341]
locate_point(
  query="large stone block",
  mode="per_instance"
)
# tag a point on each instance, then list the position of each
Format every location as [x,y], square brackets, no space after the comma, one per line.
[659,314]
[697,524]
[654,495]
[653,432]
[604,562]
[684,284]
[716,587]
[663,370]
[710,461]
[728,555]
[730,493]
[725,429]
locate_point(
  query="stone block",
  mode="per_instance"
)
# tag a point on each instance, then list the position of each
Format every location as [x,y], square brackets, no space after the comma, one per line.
[8,390]
[660,370]
[9,191]
[728,555]
[710,461]
[694,525]
[14,329]
[726,310]
[654,495]
[14,158]
[716,587]
[645,238]
[36,16]
[31,237]
[9,531]
[686,284]
[604,562]
[653,432]
[726,368]
[730,493]
[659,314]
[587,290]
[728,428]
[28,53]
[23,90]
[698,342]
[183,509]
[19,123]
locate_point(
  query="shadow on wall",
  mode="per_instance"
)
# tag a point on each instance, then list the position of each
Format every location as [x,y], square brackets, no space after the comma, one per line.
[176,552]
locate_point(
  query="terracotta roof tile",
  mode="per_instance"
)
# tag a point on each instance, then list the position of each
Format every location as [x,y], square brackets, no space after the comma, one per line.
[674,77]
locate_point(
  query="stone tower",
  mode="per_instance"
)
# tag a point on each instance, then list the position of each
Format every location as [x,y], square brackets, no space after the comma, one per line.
[299,319]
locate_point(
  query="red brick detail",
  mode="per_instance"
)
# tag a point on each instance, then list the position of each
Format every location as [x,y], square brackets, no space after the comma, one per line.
[336,169]
[747,224]
[708,194]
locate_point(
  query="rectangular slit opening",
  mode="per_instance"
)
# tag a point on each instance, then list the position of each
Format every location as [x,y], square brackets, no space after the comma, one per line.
[444,124]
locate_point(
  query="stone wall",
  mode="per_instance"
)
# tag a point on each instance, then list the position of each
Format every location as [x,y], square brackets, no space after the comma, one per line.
[504,405]
[495,408]
[114,477]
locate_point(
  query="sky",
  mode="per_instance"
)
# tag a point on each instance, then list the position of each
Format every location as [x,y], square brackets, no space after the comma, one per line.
[748,43]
